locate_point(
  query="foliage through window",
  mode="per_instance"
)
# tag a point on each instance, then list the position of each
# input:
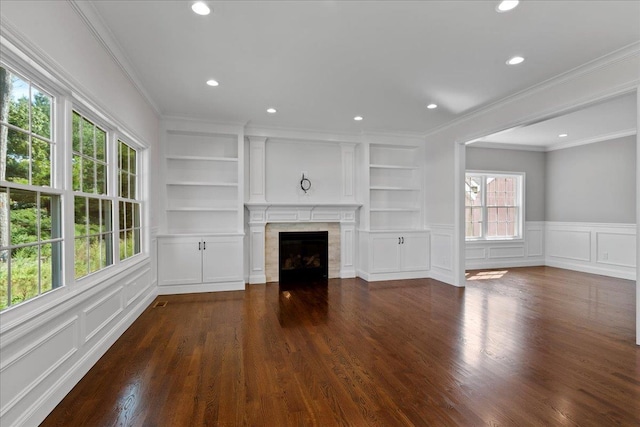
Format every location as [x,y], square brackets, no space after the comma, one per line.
[129,209]
[93,230]
[30,220]
[493,206]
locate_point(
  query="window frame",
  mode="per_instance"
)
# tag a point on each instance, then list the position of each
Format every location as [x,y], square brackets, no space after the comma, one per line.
[125,201]
[520,205]
[55,188]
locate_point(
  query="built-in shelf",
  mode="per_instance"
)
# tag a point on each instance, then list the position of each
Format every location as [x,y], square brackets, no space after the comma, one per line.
[392,167]
[202,182]
[203,158]
[387,188]
[395,188]
[202,209]
[394,210]
[205,184]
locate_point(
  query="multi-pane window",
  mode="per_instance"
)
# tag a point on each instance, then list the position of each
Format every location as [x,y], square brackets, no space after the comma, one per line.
[93,231]
[493,206]
[129,208]
[30,220]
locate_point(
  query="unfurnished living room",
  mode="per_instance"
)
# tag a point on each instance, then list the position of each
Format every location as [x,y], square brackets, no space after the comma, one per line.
[319,213]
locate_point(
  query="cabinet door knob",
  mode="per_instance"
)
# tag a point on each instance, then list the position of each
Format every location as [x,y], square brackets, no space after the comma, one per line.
[403,240]
[399,241]
[199,246]
[204,246]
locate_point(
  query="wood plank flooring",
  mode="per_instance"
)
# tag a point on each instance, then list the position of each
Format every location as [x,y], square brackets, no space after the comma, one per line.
[516,347]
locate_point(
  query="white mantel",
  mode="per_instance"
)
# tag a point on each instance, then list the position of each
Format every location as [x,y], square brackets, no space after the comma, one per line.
[260,214]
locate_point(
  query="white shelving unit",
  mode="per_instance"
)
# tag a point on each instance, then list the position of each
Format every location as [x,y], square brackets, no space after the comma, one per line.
[202,182]
[395,188]
[200,248]
[393,242]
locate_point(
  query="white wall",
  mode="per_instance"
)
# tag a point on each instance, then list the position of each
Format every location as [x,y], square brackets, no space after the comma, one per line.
[48,344]
[592,183]
[286,160]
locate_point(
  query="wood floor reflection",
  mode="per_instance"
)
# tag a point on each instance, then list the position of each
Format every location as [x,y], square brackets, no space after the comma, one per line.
[517,347]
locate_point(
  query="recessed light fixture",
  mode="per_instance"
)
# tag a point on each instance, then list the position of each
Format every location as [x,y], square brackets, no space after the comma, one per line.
[358,118]
[271,110]
[515,60]
[563,135]
[432,106]
[200,8]
[507,5]
[212,82]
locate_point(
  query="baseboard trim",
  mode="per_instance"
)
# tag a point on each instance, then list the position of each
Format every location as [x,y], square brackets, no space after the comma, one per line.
[237,285]
[603,271]
[471,265]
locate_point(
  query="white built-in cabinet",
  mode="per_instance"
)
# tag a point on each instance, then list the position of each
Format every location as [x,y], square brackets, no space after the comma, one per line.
[399,252]
[393,241]
[214,261]
[201,247]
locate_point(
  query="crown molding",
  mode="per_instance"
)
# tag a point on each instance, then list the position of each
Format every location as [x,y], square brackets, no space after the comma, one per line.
[590,67]
[592,140]
[96,25]
[16,46]
[506,146]
[553,147]
[286,133]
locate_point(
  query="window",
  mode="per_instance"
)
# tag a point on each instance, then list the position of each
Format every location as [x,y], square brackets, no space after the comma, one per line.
[93,231]
[493,206]
[30,205]
[128,207]
[102,193]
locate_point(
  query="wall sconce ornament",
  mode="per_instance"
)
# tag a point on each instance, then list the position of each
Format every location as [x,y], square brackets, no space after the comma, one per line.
[305,184]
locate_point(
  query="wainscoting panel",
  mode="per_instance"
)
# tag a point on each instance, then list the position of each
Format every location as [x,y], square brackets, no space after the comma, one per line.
[528,251]
[441,252]
[21,373]
[607,249]
[98,315]
[572,245]
[45,349]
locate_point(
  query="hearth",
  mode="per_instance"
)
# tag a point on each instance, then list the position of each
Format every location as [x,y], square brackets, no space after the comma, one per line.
[303,256]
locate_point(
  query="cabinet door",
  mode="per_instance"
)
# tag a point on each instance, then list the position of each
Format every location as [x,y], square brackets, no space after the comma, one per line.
[415,252]
[385,253]
[179,261]
[222,259]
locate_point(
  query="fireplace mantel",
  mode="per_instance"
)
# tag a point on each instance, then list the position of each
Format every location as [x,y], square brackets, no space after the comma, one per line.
[261,214]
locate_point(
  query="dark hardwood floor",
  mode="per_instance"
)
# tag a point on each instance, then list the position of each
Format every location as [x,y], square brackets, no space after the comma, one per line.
[516,347]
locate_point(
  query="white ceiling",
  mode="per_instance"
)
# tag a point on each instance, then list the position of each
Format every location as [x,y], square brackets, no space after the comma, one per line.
[320,63]
[613,118]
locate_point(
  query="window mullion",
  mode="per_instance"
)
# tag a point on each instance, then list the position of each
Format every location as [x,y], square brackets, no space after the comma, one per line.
[485,214]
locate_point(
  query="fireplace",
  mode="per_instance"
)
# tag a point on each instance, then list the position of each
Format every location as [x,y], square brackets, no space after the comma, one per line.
[303,256]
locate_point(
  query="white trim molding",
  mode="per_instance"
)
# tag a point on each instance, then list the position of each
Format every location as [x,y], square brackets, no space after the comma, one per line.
[607,249]
[525,252]
[261,214]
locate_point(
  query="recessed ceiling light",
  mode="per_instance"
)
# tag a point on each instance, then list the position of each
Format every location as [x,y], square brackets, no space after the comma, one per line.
[563,135]
[358,118]
[271,110]
[432,106]
[200,8]
[507,5]
[515,60]
[212,82]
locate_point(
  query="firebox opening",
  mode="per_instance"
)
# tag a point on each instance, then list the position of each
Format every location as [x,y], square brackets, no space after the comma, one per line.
[303,256]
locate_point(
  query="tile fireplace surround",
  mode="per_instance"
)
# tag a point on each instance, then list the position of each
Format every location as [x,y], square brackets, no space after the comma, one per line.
[339,219]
